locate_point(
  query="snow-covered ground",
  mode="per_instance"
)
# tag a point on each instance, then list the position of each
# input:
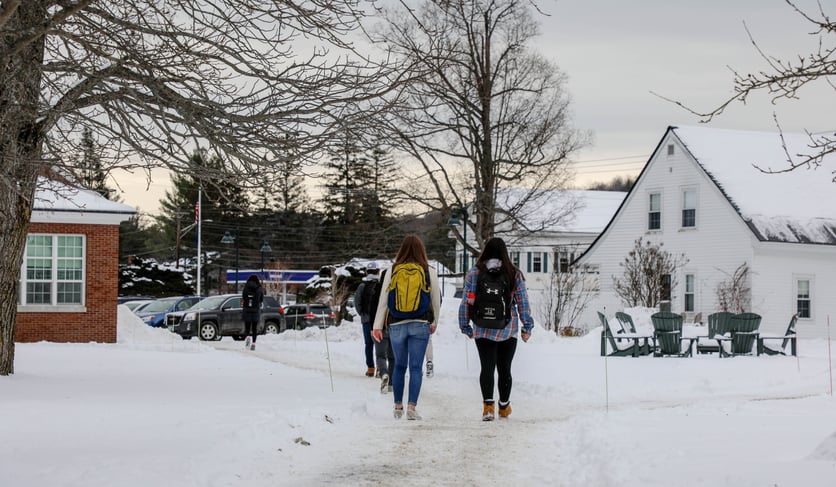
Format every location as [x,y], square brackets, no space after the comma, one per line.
[154,410]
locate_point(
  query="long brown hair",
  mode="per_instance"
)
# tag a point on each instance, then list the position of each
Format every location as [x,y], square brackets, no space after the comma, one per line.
[412,250]
[495,248]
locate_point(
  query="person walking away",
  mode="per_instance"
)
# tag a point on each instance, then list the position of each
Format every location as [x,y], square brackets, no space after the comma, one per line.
[363,303]
[251,298]
[495,300]
[384,356]
[410,303]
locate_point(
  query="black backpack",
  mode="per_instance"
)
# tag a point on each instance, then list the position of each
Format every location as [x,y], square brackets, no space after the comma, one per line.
[368,305]
[249,298]
[492,304]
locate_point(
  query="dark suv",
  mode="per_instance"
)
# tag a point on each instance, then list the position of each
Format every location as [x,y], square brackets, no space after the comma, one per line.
[220,316]
[302,315]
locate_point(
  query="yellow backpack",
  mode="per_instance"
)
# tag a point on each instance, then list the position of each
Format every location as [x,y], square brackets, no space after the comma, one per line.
[409,293]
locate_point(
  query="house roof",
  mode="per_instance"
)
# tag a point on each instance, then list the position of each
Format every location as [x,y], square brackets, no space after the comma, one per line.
[795,207]
[56,201]
[590,210]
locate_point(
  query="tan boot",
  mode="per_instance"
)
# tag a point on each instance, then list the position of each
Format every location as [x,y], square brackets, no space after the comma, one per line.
[504,411]
[487,412]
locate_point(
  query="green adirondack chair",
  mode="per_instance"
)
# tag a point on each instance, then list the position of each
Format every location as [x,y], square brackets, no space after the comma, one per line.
[788,338]
[743,329]
[667,328]
[718,324]
[626,321]
[622,344]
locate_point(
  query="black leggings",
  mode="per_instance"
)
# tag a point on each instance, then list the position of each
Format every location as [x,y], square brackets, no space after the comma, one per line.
[496,356]
[251,328]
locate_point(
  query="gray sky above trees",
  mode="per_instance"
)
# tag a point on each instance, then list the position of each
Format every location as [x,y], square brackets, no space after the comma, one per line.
[617,53]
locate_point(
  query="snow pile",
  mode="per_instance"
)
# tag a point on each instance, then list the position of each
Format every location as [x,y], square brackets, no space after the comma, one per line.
[134,333]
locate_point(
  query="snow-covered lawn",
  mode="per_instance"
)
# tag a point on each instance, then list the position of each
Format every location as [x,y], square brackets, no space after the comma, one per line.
[154,410]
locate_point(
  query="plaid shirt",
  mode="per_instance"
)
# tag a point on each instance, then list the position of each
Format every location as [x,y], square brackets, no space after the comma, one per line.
[521,309]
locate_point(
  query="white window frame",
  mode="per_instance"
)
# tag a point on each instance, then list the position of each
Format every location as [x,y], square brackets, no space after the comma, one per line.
[56,274]
[689,206]
[797,297]
[690,290]
[515,258]
[651,211]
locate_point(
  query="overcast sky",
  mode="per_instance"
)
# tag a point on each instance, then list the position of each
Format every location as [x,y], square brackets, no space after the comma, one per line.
[616,52]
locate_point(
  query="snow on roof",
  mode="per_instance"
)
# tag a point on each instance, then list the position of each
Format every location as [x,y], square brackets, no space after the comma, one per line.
[57,202]
[593,209]
[53,195]
[797,206]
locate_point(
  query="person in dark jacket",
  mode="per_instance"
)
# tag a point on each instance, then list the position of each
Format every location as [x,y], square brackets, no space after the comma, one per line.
[251,299]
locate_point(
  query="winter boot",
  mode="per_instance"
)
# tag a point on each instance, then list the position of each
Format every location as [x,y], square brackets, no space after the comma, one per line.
[370,372]
[384,384]
[247,342]
[252,347]
[487,412]
[505,410]
[413,415]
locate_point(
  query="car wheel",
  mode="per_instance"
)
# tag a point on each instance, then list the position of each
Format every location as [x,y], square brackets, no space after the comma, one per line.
[271,327]
[208,331]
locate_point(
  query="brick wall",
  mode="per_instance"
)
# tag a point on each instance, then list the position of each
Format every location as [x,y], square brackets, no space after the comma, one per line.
[98,324]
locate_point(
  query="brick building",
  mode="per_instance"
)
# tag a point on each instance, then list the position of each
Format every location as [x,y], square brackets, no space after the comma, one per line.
[69,275]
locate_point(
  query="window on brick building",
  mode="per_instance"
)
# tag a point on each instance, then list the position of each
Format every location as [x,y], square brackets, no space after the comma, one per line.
[53,271]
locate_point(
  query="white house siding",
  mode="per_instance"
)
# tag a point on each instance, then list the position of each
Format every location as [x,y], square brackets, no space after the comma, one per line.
[776,267]
[718,244]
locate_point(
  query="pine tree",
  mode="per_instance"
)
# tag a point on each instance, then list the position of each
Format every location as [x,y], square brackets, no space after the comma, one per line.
[89,170]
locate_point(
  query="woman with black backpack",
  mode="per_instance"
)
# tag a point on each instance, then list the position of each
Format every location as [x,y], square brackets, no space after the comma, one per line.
[496,301]
[251,299]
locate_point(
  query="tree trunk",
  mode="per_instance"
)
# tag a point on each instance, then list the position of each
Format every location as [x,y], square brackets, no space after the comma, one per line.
[21,140]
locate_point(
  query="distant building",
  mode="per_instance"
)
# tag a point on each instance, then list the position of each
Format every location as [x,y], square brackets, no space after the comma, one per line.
[69,276]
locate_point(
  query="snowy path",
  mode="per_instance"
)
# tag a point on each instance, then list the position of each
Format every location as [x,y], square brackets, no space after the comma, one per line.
[451,445]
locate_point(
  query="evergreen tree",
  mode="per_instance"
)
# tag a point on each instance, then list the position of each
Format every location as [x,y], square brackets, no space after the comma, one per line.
[344,169]
[88,169]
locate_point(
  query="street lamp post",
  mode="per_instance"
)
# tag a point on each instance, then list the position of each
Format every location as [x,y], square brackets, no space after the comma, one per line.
[454,221]
[228,239]
[265,248]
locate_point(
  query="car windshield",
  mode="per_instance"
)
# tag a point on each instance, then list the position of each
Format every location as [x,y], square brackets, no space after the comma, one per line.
[210,303]
[159,305]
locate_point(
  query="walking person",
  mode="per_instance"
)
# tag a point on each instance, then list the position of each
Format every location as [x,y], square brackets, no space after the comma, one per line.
[410,303]
[363,304]
[495,300]
[251,298]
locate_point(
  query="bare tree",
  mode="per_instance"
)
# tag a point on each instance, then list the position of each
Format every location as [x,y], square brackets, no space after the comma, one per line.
[783,79]
[567,298]
[486,112]
[733,293]
[155,80]
[649,274]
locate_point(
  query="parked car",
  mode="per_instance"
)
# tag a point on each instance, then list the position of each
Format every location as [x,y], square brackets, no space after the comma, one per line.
[219,316]
[302,315]
[128,299]
[137,305]
[153,313]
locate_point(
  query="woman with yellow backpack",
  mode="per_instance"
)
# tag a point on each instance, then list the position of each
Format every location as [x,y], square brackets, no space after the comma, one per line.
[410,303]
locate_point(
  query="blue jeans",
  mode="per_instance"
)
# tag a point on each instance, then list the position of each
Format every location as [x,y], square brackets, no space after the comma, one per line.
[409,343]
[368,343]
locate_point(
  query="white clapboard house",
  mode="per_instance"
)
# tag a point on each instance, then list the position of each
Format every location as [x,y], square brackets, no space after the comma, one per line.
[704,193]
